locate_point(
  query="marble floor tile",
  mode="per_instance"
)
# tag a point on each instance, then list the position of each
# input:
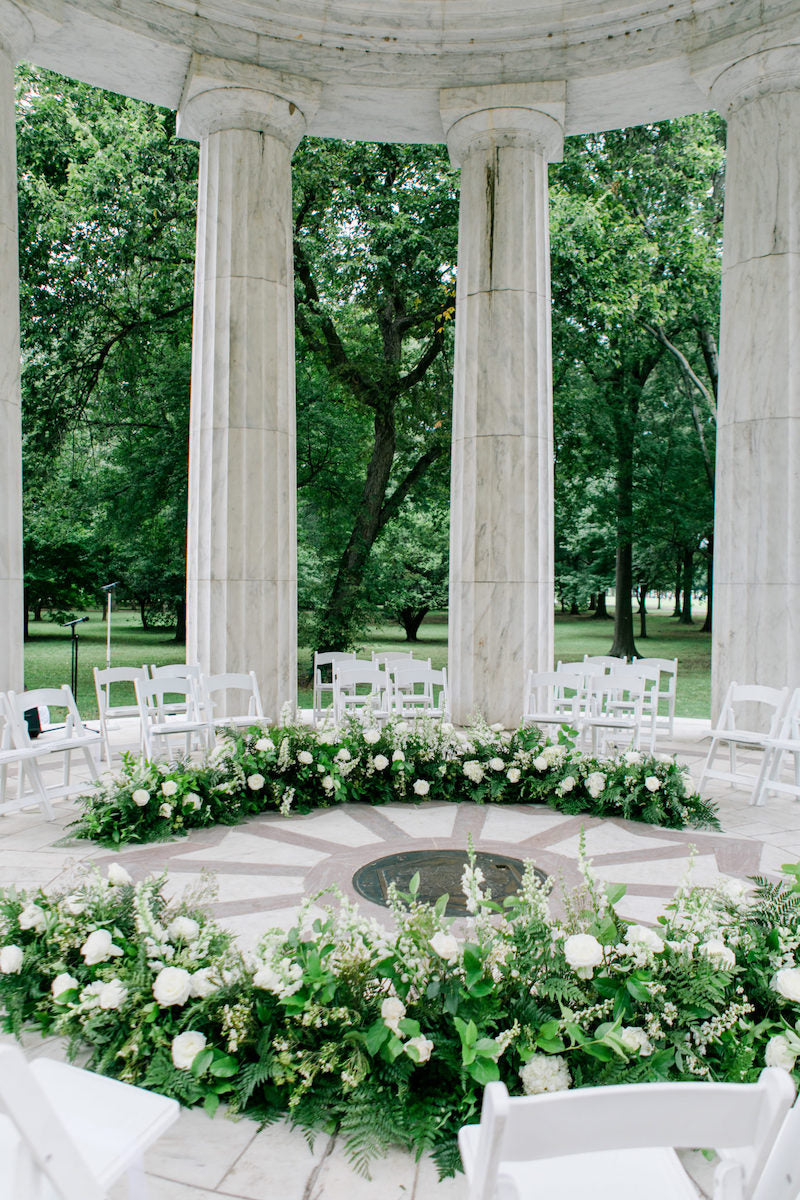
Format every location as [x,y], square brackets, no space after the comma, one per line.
[422,820]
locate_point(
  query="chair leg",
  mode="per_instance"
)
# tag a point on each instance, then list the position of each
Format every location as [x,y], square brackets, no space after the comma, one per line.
[712,753]
[770,767]
[38,790]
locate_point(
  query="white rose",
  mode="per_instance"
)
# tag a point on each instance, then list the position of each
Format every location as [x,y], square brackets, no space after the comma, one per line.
[513,774]
[787,984]
[10,960]
[545,1073]
[595,783]
[99,947]
[192,800]
[398,756]
[169,787]
[165,810]
[74,904]
[264,743]
[421,787]
[718,954]
[497,764]
[255,782]
[445,945]
[118,876]
[372,736]
[583,953]
[305,757]
[401,727]
[183,928]
[343,755]
[541,763]
[186,1047]
[268,979]
[635,1040]
[380,762]
[652,783]
[203,983]
[392,1012]
[418,1049]
[327,782]
[632,758]
[32,917]
[140,797]
[172,985]
[113,994]
[779,1053]
[566,785]
[63,983]
[640,935]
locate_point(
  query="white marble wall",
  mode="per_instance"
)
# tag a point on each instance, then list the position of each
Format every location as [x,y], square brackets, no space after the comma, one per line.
[14,36]
[757,533]
[242,575]
[501,541]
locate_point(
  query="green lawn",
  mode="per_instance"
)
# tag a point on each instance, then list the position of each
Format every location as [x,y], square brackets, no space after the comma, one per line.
[47,654]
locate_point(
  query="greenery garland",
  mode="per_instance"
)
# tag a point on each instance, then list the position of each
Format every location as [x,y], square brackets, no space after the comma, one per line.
[391,1037]
[298,768]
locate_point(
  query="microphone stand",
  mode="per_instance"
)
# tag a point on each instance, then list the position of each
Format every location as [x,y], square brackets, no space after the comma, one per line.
[108,588]
[74,672]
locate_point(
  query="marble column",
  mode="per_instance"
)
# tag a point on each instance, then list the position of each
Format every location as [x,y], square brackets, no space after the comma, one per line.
[242,538]
[501,509]
[756,635]
[15,37]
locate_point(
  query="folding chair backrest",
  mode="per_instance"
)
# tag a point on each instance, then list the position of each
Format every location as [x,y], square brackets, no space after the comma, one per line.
[43,1135]
[751,706]
[103,679]
[547,690]
[360,675]
[606,660]
[328,658]
[393,656]
[150,693]
[62,697]
[586,669]
[233,682]
[741,1118]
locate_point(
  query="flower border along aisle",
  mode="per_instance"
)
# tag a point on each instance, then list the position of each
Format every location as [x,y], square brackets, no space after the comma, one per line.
[296,768]
[390,1038]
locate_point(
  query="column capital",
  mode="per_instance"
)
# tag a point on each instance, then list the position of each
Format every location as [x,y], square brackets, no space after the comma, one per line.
[221,94]
[773,69]
[530,115]
[16,31]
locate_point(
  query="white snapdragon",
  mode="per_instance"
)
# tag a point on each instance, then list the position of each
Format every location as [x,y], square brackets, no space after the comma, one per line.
[545,1073]
[186,1047]
[172,985]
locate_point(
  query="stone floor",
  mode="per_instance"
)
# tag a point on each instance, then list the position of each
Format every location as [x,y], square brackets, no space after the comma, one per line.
[266,867]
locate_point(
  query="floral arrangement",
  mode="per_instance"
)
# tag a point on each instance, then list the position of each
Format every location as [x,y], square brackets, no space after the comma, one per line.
[391,1037]
[297,768]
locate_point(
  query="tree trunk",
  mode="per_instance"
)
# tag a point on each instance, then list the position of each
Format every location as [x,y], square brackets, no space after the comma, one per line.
[411,619]
[688,568]
[642,610]
[592,602]
[143,611]
[623,645]
[37,612]
[710,589]
[625,423]
[601,613]
[180,622]
[574,611]
[25,633]
[677,610]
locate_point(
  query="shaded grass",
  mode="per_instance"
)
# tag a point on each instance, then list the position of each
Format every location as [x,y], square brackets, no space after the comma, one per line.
[47,654]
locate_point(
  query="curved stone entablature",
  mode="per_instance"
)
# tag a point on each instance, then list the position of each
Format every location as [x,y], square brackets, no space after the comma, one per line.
[381,67]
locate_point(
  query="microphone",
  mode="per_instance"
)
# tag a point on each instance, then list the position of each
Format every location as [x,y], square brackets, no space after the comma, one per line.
[107,587]
[77,621]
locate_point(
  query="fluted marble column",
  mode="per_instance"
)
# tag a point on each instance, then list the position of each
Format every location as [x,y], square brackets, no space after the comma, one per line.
[15,36]
[501,509]
[757,526]
[242,540]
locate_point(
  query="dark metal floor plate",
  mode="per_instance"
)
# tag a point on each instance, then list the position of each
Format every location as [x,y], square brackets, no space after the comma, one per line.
[439,872]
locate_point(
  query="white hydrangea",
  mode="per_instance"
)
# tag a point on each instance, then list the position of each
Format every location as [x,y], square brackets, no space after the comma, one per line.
[566,785]
[545,1073]
[372,736]
[497,764]
[632,758]
[112,995]
[513,774]
[264,743]
[595,783]
[641,936]
[118,876]
[541,763]
[718,954]
[203,983]
[473,770]
[343,755]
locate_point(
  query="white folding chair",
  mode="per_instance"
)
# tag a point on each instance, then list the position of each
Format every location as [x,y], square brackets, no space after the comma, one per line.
[786,742]
[67,739]
[161,717]
[324,663]
[376,699]
[73,1130]
[220,710]
[391,657]
[103,679]
[650,676]
[667,688]
[554,698]
[618,1143]
[30,785]
[419,690]
[742,702]
[582,668]
[609,661]
[190,671]
[614,709]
